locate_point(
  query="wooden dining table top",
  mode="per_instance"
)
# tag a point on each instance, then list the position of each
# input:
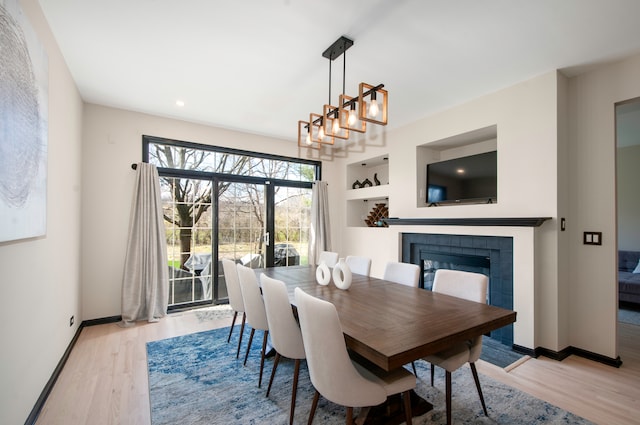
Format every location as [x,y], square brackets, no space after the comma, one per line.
[391,324]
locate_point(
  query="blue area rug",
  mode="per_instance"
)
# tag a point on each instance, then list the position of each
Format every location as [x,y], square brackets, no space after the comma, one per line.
[195,379]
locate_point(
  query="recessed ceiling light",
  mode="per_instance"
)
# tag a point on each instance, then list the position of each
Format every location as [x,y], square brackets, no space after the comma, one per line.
[180,103]
[460,171]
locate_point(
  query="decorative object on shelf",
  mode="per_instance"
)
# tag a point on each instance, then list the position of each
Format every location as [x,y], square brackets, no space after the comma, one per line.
[342,275]
[356,185]
[374,219]
[367,183]
[351,114]
[375,179]
[323,274]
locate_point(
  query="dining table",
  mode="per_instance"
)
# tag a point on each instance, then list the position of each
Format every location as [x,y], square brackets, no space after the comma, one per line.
[391,325]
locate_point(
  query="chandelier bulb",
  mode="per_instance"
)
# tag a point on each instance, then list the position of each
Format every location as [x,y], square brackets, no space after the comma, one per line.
[335,128]
[373,108]
[352,118]
[308,139]
[321,133]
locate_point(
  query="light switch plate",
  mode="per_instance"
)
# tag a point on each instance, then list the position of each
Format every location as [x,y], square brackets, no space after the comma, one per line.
[592,238]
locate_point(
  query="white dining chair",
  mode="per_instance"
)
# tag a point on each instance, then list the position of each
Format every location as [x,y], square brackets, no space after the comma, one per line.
[330,258]
[359,265]
[235,298]
[284,331]
[472,287]
[404,273]
[333,374]
[254,308]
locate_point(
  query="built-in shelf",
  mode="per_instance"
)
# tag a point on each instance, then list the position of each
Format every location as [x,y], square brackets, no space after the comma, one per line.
[493,221]
[363,203]
[477,141]
[376,192]
[371,172]
[360,210]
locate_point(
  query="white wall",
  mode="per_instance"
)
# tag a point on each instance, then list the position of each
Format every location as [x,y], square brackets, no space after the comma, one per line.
[527,142]
[112,141]
[592,181]
[41,276]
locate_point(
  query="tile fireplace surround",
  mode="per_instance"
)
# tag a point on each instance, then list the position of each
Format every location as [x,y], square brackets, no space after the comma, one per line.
[418,247]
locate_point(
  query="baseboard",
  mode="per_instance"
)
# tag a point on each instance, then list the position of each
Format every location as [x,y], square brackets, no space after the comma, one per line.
[563,354]
[37,408]
[554,355]
[524,350]
[617,362]
[35,412]
[102,321]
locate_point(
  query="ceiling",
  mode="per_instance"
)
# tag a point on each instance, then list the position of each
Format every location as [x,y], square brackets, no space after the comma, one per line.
[257,65]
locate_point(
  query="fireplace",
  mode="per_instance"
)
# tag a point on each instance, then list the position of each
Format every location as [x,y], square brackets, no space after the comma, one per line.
[490,255]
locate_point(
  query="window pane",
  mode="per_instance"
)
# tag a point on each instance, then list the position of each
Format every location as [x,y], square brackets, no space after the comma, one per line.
[241,223]
[188,225]
[181,158]
[212,161]
[292,217]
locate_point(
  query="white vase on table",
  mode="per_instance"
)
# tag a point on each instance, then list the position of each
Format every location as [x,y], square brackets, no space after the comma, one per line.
[323,274]
[342,275]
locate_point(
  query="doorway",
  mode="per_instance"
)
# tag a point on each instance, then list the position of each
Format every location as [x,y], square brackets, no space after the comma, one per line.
[628,208]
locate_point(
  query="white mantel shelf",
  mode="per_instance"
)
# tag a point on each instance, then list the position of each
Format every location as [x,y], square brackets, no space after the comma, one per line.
[497,221]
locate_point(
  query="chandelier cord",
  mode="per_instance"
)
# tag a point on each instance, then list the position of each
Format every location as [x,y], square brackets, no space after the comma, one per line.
[344,70]
[329,82]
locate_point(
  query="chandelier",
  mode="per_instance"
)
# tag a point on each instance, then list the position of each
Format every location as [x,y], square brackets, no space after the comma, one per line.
[351,113]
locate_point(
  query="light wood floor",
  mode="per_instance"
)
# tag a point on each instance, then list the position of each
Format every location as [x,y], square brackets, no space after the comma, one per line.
[105,379]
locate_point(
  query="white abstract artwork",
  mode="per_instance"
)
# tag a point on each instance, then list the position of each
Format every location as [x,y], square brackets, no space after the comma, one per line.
[23,127]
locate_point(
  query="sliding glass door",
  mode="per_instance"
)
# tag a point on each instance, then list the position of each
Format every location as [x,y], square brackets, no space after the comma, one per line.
[292,220]
[241,227]
[250,207]
[260,225]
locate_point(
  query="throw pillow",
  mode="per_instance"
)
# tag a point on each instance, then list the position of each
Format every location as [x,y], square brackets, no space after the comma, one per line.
[637,269]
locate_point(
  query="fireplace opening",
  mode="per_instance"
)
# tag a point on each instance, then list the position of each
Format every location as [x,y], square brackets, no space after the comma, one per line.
[432,261]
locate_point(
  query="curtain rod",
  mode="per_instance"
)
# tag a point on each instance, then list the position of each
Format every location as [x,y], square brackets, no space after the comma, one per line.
[134,166]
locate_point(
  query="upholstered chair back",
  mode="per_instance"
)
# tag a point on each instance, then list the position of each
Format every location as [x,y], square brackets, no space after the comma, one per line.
[359,265]
[286,336]
[233,285]
[402,273]
[330,258]
[469,286]
[253,302]
[330,368]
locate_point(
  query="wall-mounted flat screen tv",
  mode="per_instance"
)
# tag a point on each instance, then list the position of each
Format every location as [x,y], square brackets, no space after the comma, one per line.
[468,179]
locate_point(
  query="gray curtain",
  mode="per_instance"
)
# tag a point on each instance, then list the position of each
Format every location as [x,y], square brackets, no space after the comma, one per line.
[320,237]
[145,285]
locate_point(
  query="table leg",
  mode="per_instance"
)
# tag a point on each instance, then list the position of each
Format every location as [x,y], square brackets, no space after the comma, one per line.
[391,412]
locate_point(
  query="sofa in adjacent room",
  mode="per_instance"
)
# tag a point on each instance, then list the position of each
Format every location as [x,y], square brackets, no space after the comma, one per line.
[629,282]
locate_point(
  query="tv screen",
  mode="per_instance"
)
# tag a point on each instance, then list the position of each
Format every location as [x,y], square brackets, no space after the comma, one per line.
[471,178]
